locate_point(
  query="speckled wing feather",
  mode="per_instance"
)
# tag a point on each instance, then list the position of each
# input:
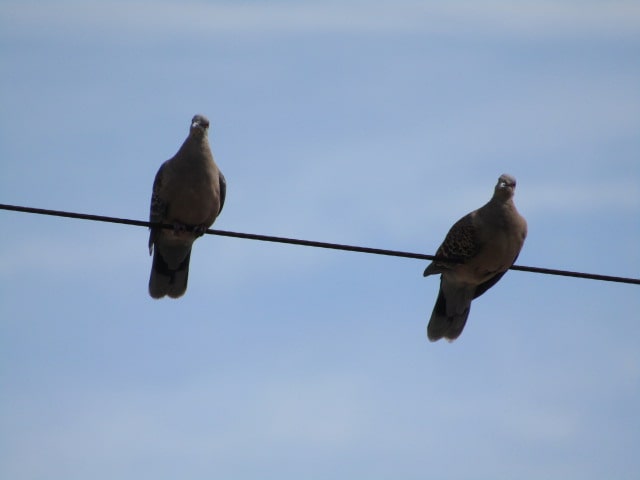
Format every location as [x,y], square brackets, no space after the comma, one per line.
[460,244]
[476,253]
[157,209]
[188,193]
[223,190]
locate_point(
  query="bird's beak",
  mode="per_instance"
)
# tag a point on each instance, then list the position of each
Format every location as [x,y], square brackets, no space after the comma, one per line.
[199,126]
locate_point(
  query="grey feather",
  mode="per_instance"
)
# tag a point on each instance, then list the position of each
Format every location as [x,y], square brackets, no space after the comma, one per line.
[188,192]
[475,254]
[223,190]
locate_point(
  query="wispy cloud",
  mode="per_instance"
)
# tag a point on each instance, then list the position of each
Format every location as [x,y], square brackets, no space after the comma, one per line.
[143,17]
[68,256]
[618,196]
[132,425]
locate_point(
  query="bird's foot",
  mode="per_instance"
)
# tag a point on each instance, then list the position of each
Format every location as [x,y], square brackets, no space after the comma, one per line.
[179,228]
[199,230]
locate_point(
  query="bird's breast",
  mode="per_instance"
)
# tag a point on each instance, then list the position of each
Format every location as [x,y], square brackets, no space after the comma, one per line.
[195,199]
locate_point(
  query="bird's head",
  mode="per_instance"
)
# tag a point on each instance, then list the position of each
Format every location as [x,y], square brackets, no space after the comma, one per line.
[506,186]
[199,125]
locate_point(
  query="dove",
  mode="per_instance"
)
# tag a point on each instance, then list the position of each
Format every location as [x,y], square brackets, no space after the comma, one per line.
[188,193]
[475,254]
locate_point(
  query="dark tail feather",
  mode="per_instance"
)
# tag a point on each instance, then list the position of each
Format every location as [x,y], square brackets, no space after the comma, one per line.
[165,281]
[443,326]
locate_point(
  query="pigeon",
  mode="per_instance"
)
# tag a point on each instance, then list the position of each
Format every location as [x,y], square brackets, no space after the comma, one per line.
[188,193]
[476,253]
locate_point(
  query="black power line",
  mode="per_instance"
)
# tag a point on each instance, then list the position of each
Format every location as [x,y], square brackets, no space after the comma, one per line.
[310,243]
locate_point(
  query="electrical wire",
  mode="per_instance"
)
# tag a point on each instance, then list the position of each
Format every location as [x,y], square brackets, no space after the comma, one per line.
[310,243]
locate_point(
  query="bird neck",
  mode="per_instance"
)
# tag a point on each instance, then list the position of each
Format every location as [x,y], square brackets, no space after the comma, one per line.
[499,210]
[195,144]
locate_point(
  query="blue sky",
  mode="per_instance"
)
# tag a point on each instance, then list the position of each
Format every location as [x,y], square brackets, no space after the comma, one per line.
[375,123]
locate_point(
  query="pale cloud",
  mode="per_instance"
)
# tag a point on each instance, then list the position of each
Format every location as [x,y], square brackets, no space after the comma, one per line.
[541,423]
[567,18]
[87,251]
[213,420]
[620,195]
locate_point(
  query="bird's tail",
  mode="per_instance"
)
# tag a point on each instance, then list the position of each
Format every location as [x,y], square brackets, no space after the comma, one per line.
[167,281]
[447,326]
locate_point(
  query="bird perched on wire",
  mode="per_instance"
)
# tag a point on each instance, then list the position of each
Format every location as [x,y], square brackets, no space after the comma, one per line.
[188,192]
[476,253]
